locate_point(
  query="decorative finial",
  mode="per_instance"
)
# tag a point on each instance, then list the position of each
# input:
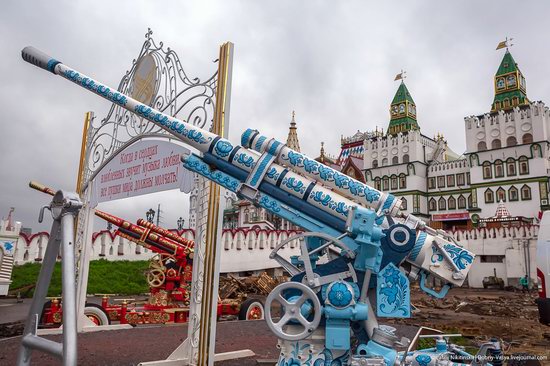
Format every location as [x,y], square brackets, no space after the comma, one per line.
[293,121]
[505,44]
[401,76]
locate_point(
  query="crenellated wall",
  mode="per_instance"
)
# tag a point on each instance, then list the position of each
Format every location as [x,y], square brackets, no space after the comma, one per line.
[511,251]
[243,249]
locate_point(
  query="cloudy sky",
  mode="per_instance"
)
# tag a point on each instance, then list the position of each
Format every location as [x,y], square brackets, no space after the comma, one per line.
[333,62]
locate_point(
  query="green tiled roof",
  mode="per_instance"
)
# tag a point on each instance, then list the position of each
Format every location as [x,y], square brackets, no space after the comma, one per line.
[508,64]
[402,94]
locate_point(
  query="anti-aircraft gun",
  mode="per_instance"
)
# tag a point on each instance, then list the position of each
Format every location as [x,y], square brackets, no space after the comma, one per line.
[358,242]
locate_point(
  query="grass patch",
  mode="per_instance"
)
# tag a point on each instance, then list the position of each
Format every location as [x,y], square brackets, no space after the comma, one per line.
[111,277]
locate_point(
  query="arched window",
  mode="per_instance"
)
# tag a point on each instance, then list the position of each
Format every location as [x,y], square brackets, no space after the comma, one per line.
[432,205]
[470,204]
[501,195]
[451,203]
[377,184]
[489,196]
[487,173]
[403,203]
[375,163]
[511,141]
[385,162]
[523,165]
[386,183]
[442,204]
[406,158]
[461,202]
[511,167]
[481,146]
[513,194]
[395,160]
[499,169]
[393,182]
[525,192]
[500,83]
[527,138]
[496,144]
[402,181]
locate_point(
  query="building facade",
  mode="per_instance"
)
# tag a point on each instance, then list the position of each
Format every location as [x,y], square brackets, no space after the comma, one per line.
[506,162]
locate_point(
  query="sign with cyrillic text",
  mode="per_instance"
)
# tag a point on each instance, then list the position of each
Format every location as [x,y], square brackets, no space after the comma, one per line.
[147,166]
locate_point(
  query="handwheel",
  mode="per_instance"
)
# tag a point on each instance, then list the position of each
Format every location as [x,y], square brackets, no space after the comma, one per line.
[293,310]
[156,277]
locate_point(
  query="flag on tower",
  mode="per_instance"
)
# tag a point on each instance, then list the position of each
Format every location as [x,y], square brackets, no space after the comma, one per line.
[502,44]
[399,76]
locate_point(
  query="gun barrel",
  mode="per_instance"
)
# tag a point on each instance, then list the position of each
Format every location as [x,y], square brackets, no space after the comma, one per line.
[204,141]
[42,188]
[170,235]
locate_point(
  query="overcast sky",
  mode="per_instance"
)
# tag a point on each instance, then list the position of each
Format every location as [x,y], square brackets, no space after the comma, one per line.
[333,62]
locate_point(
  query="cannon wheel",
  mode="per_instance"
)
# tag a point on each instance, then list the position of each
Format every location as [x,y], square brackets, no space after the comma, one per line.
[251,309]
[96,314]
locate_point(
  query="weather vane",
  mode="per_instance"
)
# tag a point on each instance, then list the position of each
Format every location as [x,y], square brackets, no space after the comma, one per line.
[505,44]
[400,76]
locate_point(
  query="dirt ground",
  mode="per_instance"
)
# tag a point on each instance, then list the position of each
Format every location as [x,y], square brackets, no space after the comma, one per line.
[478,314]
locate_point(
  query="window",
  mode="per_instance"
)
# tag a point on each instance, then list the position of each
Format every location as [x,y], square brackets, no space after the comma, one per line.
[384,161]
[491,258]
[432,205]
[481,146]
[375,163]
[461,202]
[406,158]
[403,203]
[431,183]
[525,192]
[386,183]
[515,101]
[467,178]
[451,203]
[510,167]
[500,83]
[499,169]
[394,182]
[377,184]
[451,180]
[511,80]
[441,181]
[501,195]
[527,138]
[460,179]
[513,194]
[442,204]
[402,181]
[470,201]
[489,196]
[495,144]
[395,160]
[511,141]
[523,165]
[487,174]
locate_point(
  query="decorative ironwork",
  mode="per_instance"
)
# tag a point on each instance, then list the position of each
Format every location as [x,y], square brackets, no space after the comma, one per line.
[158,79]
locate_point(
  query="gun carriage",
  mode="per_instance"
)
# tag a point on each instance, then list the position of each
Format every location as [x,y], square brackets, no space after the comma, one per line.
[359,245]
[168,277]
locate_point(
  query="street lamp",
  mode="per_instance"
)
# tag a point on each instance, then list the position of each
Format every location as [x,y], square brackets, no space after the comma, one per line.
[150,215]
[181,221]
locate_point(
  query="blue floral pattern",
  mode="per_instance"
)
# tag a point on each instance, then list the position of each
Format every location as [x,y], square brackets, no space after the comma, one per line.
[339,295]
[423,360]
[327,174]
[393,292]
[113,96]
[461,257]
[223,148]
